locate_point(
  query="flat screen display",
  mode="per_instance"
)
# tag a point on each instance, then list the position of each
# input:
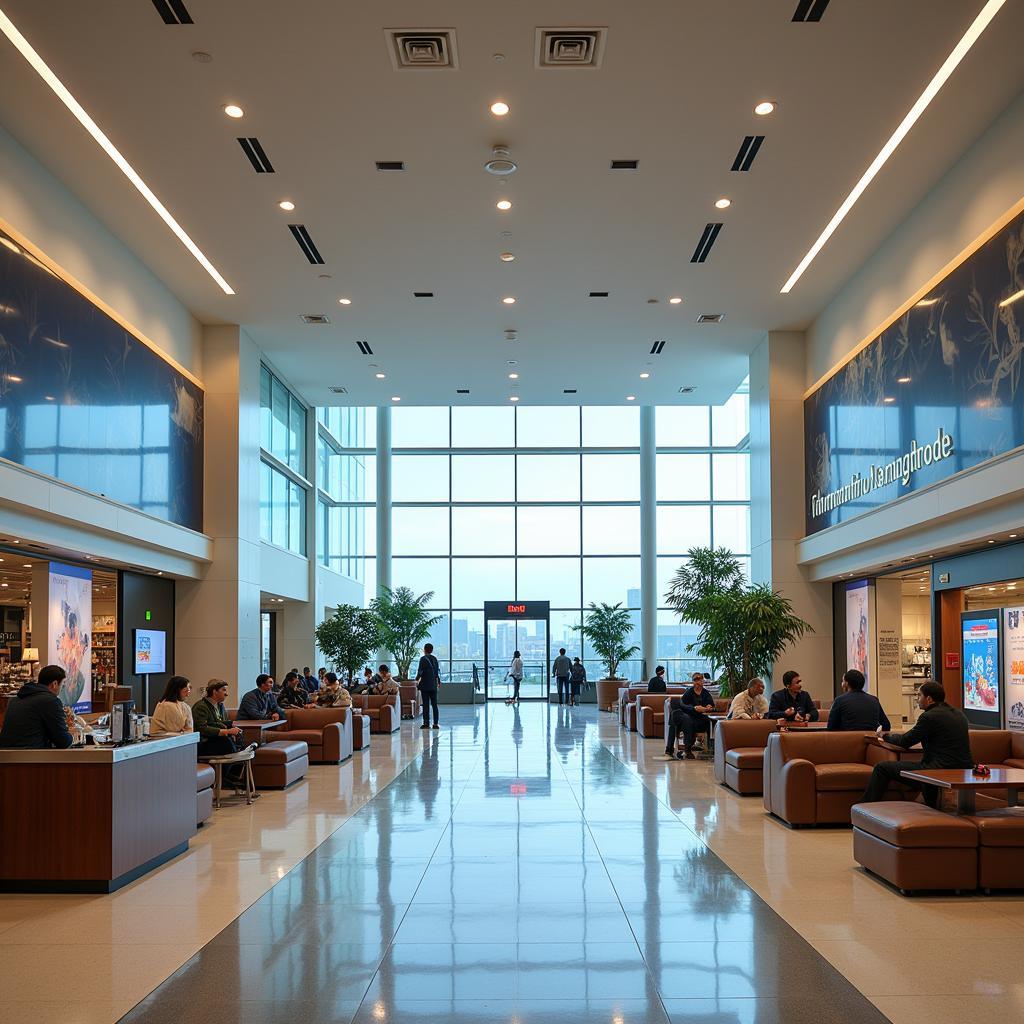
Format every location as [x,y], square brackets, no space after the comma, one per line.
[980,661]
[150,651]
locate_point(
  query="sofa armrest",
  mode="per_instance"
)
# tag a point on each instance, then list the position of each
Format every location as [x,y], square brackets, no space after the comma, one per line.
[795,792]
[645,721]
[330,741]
[720,752]
[387,717]
[1016,745]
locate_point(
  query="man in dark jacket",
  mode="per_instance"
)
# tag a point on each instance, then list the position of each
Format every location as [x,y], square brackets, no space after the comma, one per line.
[656,684]
[942,732]
[855,710]
[292,694]
[688,715]
[36,719]
[428,675]
[792,702]
[261,704]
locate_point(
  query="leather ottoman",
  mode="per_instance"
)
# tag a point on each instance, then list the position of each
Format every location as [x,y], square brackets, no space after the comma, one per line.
[205,778]
[914,846]
[1000,848]
[360,731]
[279,764]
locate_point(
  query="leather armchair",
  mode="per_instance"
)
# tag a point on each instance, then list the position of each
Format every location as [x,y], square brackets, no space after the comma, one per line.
[628,706]
[410,696]
[739,753]
[382,710]
[326,731]
[650,714]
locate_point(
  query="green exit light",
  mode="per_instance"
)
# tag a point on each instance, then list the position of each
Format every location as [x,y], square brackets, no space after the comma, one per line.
[149,615]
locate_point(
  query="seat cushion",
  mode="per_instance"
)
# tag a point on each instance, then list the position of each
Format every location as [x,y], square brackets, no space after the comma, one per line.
[311,737]
[848,775]
[1014,762]
[1003,826]
[905,823]
[745,757]
[205,777]
[281,752]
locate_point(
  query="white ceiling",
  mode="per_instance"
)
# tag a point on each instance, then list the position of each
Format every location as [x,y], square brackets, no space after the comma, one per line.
[675,91]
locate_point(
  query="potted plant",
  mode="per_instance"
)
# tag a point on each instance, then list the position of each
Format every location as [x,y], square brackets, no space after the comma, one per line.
[608,628]
[348,638]
[403,624]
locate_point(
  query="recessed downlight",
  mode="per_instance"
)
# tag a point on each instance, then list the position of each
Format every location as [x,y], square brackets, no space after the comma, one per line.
[927,302]
[764,108]
[509,300]
[513,376]
[723,203]
[499,108]
[644,375]
[380,376]
[234,110]
[507,257]
[1013,536]
[902,380]
[888,399]
[11,245]
[630,398]
[287,205]
[513,398]
[504,204]
[675,300]
[345,302]
[396,398]
[1012,299]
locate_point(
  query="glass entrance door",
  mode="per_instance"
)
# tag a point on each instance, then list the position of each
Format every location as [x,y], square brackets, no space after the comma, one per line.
[530,638]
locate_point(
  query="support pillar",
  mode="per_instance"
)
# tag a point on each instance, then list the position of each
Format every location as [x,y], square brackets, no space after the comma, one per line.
[648,543]
[383,497]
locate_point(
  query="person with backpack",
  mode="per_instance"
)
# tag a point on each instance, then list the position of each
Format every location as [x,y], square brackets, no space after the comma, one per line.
[562,670]
[515,673]
[577,680]
[428,677]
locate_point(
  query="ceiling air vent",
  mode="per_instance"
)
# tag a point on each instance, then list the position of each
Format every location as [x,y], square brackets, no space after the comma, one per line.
[657,348]
[309,250]
[314,318]
[568,391]
[710,318]
[462,391]
[412,48]
[810,10]
[338,391]
[174,12]
[599,295]
[422,295]
[625,165]
[390,165]
[569,47]
[256,155]
[747,151]
[701,253]
[687,389]
[364,348]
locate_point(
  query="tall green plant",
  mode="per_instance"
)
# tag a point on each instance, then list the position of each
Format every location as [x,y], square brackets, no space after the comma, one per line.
[348,638]
[403,623]
[608,627]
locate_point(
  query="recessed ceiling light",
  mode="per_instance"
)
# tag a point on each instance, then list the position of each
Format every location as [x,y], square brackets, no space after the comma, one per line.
[902,380]
[764,108]
[286,204]
[3,584]
[644,375]
[1013,298]
[26,567]
[927,302]
[675,300]
[888,400]
[991,542]
[14,378]
[11,245]
[513,376]
[345,302]
[970,37]
[504,204]
[1013,536]
[233,110]
[630,398]
[46,74]
[48,398]
[396,398]
[723,203]
[991,588]
[513,398]
[507,257]
[509,300]
[380,376]
[499,109]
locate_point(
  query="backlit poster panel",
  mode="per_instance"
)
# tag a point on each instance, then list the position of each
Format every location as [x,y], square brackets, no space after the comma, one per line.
[858,629]
[69,643]
[980,661]
[1013,667]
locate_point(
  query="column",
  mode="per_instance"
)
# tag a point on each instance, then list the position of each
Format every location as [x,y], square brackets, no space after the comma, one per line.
[383,497]
[777,378]
[648,544]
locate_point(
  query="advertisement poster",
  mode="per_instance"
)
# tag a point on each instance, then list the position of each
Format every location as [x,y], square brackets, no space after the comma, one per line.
[69,642]
[1013,666]
[981,664]
[858,633]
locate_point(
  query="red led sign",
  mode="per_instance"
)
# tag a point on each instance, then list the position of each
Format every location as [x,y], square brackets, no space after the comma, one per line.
[517,609]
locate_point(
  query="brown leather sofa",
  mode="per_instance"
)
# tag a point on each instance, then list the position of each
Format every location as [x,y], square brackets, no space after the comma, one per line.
[326,731]
[381,709]
[277,765]
[814,778]
[205,778]
[627,702]
[1000,848]
[650,714]
[360,730]
[739,753]
[410,696]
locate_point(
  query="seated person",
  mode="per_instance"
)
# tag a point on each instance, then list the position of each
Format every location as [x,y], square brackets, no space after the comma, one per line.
[792,703]
[366,686]
[698,677]
[855,710]
[384,683]
[310,683]
[332,694]
[749,703]
[36,717]
[656,684]
[292,694]
[261,704]
[173,713]
[217,736]
[688,715]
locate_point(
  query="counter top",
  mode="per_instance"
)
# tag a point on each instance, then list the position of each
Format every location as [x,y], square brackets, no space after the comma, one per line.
[99,755]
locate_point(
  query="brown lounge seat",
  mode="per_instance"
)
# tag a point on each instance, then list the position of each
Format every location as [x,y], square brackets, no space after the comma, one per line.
[205,778]
[381,709]
[628,706]
[739,753]
[1000,848]
[326,731]
[410,697]
[277,765]
[360,729]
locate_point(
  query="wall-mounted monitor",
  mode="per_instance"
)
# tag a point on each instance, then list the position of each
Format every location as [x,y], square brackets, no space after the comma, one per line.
[981,662]
[150,648]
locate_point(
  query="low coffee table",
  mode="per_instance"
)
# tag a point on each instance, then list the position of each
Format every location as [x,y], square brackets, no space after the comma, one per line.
[254,729]
[966,784]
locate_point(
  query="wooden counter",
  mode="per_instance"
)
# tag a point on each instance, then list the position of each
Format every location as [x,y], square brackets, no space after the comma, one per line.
[96,818]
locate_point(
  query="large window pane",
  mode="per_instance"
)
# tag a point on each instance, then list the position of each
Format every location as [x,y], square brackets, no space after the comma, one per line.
[666,569]
[732,528]
[349,477]
[548,531]
[351,426]
[421,575]
[556,580]
[611,426]
[419,478]
[611,581]
[611,530]
[266,503]
[682,426]
[296,436]
[732,477]
[611,477]
[681,527]
[683,477]
[419,531]
[475,580]
[278,509]
[419,427]
[483,531]
[564,635]
[730,423]
[279,426]
[548,426]
[548,477]
[483,478]
[266,416]
[483,427]
[296,519]
[468,636]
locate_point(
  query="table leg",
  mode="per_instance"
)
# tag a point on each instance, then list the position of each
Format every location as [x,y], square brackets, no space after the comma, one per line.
[216,785]
[249,785]
[965,803]
[1011,796]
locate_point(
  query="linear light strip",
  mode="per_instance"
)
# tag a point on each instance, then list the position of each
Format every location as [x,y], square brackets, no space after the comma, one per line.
[43,70]
[970,37]
[1013,298]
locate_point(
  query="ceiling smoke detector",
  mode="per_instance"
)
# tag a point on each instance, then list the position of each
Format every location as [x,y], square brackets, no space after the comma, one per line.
[501,162]
[511,335]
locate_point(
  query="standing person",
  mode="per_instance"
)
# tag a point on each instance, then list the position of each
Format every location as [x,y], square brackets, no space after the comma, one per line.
[515,673]
[750,703]
[561,669]
[792,702]
[428,678]
[656,684]
[855,710]
[577,679]
[172,712]
[37,718]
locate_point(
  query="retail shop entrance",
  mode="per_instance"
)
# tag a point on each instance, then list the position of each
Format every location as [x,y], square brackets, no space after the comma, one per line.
[511,626]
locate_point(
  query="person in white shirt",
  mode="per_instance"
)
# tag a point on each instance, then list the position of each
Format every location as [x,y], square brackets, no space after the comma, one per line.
[515,671]
[751,702]
[173,713]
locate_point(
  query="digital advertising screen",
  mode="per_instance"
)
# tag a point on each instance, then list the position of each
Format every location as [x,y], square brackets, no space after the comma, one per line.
[1013,667]
[150,651]
[980,658]
[859,634]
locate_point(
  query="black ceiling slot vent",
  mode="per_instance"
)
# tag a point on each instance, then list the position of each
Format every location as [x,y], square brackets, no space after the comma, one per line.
[700,254]
[810,10]
[748,150]
[390,165]
[710,318]
[462,391]
[174,12]
[687,389]
[422,295]
[625,165]
[256,156]
[309,250]
[314,318]
[657,348]
[599,295]
[568,391]
[338,390]
[364,348]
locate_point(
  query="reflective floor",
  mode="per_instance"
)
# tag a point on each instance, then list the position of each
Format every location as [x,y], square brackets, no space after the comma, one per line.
[519,870]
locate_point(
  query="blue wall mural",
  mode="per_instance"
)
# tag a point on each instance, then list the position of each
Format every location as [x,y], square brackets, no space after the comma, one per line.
[84,401]
[937,392]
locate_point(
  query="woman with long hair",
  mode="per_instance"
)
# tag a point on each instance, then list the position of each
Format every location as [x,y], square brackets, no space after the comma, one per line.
[173,713]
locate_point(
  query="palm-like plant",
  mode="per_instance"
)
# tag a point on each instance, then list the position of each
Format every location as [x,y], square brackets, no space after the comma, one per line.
[403,623]
[608,628]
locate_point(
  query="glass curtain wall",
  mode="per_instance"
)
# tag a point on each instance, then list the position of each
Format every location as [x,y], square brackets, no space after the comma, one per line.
[283,483]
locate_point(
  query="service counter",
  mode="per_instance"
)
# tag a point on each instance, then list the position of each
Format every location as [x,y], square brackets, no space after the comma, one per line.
[93,819]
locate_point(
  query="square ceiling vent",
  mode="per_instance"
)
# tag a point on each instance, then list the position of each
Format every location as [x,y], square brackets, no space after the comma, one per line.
[570,47]
[412,48]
